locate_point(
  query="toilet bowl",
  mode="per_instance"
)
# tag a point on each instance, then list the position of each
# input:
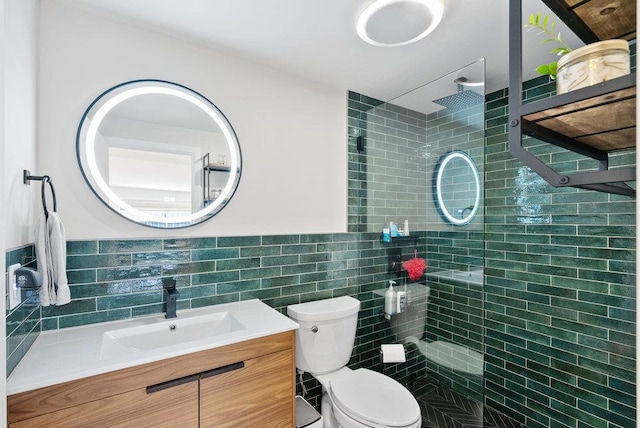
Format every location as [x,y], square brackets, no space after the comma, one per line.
[364,398]
[359,398]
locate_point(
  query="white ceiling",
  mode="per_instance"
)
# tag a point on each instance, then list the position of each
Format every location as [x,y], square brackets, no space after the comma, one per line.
[316,39]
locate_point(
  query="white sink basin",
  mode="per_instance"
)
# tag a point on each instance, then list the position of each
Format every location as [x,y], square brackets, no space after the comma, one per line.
[168,333]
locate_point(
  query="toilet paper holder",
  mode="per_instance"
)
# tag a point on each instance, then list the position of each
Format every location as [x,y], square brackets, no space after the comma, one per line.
[381,354]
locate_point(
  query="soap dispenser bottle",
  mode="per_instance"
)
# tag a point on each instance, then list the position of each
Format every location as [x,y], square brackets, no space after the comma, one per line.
[390,300]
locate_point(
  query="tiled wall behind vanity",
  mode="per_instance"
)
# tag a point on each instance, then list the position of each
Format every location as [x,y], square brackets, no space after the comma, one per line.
[119,279]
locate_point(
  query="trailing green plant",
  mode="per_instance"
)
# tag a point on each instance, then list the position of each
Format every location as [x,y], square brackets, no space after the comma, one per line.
[542,24]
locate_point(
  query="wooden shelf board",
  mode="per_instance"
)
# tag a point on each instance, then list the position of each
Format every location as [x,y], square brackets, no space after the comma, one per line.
[619,139]
[606,122]
[609,98]
[620,23]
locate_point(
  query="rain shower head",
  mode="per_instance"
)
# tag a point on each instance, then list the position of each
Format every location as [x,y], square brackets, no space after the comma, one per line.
[462,99]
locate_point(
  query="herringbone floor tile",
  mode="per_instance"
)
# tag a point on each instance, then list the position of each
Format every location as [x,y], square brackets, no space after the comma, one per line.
[444,408]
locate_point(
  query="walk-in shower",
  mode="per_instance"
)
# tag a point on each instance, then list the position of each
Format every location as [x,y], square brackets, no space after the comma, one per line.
[442,325]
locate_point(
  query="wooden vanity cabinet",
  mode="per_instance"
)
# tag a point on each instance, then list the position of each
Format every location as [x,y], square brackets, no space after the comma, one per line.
[137,408]
[245,384]
[258,395]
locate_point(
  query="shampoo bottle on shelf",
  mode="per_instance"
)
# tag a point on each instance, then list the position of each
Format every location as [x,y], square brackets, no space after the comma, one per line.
[390,300]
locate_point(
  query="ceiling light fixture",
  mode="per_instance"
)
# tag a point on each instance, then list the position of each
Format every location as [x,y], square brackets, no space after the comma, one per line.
[391,23]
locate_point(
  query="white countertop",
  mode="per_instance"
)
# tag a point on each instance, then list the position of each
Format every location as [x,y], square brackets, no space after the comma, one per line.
[63,355]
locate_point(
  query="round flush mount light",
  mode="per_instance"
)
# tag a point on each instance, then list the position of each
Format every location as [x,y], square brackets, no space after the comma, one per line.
[391,23]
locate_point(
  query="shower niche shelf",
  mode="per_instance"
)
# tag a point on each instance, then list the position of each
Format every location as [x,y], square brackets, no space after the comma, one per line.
[595,121]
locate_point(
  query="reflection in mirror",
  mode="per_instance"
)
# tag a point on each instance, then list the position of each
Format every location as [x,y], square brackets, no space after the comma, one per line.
[457,188]
[159,153]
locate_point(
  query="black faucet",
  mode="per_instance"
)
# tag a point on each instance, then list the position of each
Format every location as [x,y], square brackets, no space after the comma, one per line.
[169,285]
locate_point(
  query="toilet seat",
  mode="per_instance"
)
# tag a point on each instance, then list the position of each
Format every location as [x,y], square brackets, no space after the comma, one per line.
[374,400]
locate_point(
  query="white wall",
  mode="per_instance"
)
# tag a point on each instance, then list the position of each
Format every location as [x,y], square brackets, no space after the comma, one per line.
[292,132]
[20,79]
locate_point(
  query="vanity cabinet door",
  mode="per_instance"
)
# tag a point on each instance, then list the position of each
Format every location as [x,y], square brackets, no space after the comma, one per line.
[139,408]
[259,394]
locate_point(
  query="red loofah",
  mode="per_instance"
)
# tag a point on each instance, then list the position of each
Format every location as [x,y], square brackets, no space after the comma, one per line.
[415,267]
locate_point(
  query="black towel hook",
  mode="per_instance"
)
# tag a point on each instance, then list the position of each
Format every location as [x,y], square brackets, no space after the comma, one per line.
[26,179]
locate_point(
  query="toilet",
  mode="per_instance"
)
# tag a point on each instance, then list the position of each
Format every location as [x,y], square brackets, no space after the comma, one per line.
[360,398]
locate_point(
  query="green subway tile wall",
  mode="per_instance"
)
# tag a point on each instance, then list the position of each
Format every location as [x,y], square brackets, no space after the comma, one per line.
[390,170]
[455,308]
[23,323]
[119,279]
[559,287]
[357,165]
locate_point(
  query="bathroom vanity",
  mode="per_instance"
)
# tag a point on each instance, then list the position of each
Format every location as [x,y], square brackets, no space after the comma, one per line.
[236,380]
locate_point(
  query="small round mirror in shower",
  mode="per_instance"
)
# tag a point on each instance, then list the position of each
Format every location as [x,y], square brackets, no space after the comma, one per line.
[457,188]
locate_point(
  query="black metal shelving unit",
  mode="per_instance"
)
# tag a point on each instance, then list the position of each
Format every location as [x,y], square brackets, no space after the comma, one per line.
[207,169]
[593,121]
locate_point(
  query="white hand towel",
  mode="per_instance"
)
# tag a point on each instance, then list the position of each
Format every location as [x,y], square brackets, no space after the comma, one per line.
[51,252]
[42,245]
[58,245]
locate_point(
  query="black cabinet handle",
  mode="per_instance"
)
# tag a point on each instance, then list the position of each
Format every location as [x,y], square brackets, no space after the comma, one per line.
[221,370]
[170,384]
[181,381]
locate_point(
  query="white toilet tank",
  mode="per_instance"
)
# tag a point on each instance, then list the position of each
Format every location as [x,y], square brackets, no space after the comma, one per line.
[412,322]
[324,341]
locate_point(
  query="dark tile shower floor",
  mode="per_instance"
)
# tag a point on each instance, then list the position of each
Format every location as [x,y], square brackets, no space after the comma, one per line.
[444,408]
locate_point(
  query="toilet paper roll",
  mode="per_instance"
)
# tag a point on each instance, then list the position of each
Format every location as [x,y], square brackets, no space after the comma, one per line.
[393,353]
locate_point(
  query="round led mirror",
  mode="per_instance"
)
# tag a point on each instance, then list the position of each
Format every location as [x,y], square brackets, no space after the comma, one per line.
[159,153]
[457,188]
